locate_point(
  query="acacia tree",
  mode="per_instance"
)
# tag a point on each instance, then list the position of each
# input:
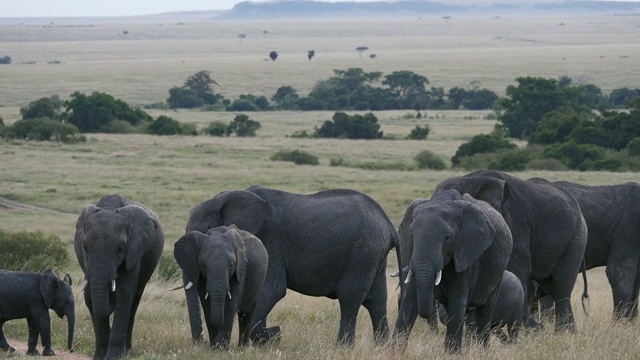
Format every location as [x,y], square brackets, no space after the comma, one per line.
[406,88]
[195,92]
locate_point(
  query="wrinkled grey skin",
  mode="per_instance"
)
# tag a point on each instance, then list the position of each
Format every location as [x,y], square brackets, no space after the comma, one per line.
[333,243]
[228,267]
[31,295]
[508,309]
[549,234]
[117,242]
[612,214]
[470,242]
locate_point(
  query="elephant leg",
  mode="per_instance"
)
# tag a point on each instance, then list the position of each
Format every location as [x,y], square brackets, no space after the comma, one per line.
[622,275]
[43,326]
[244,326]
[273,290]
[348,316]
[407,314]
[33,338]
[455,322]
[193,309]
[376,304]
[4,345]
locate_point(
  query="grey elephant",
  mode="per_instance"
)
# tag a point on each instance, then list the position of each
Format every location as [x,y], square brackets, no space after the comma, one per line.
[612,215]
[457,249]
[118,244]
[228,267]
[31,295]
[508,309]
[549,234]
[333,243]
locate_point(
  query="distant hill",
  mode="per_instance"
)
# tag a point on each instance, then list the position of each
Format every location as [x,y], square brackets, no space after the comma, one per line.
[297,9]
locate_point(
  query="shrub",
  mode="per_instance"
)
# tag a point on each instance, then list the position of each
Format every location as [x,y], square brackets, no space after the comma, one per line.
[168,269]
[350,127]
[43,129]
[419,132]
[574,155]
[165,125]
[31,251]
[546,164]
[243,126]
[633,147]
[298,157]
[481,143]
[511,160]
[216,128]
[118,127]
[428,160]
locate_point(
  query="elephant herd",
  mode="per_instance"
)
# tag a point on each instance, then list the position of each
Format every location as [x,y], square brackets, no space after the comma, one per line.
[476,254]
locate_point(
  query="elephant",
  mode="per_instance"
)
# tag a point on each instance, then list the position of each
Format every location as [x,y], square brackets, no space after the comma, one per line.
[507,311]
[457,249]
[332,243]
[224,261]
[31,295]
[118,244]
[549,234]
[613,220]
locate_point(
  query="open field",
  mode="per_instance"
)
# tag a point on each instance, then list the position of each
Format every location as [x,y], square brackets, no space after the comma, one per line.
[173,174]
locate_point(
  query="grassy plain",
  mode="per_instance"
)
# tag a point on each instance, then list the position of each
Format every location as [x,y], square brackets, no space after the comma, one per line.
[173,174]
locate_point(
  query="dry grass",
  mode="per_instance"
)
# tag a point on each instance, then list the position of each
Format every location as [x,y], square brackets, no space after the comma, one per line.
[173,174]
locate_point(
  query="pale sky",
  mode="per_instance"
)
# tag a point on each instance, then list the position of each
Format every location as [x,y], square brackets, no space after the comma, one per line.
[57,8]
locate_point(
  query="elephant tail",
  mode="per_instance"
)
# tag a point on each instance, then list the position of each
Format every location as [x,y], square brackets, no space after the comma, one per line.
[401,271]
[585,294]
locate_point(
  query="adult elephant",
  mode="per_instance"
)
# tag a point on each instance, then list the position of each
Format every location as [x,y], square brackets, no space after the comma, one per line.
[612,214]
[459,249]
[549,233]
[333,243]
[118,244]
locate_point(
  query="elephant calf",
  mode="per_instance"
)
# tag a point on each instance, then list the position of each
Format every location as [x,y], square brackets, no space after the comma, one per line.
[228,267]
[31,295]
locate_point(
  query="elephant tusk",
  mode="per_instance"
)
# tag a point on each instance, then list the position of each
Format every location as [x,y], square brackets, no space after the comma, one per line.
[229,293]
[175,288]
[84,285]
[409,277]
[438,277]
[206,296]
[188,286]
[397,273]
[113,285]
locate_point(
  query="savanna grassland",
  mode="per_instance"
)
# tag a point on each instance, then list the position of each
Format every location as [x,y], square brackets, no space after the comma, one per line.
[173,174]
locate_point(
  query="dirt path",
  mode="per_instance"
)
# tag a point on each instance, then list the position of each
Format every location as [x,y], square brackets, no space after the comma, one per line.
[21,350]
[6,204]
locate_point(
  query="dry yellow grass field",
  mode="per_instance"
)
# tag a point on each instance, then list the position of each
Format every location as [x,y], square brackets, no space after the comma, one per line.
[173,174]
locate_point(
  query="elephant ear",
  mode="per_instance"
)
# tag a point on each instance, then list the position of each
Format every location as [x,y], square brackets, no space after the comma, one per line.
[80,228]
[492,190]
[185,251]
[243,208]
[48,285]
[143,233]
[475,235]
[242,259]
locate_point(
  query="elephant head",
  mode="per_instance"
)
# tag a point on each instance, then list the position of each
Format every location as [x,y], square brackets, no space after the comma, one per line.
[107,239]
[240,207]
[445,232]
[217,258]
[58,295]
[490,189]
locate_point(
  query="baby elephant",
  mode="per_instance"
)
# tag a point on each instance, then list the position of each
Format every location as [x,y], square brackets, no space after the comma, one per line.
[228,267]
[507,311]
[31,295]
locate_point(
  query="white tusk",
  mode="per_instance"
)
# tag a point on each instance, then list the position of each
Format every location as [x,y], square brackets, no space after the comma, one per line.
[409,277]
[176,288]
[229,293]
[84,285]
[113,285]
[438,277]
[395,274]
[206,296]
[188,286]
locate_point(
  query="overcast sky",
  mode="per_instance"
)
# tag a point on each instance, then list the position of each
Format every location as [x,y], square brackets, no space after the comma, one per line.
[41,8]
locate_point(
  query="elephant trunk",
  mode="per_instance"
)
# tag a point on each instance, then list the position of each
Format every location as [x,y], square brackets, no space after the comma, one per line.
[71,321]
[425,277]
[218,290]
[100,297]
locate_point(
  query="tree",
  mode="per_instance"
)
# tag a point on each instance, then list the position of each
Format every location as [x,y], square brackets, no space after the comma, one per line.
[406,87]
[361,49]
[95,112]
[354,78]
[479,99]
[419,132]
[165,125]
[350,127]
[482,143]
[310,54]
[43,107]
[455,97]
[243,126]
[273,55]
[285,97]
[5,60]
[180,97]
[200,83]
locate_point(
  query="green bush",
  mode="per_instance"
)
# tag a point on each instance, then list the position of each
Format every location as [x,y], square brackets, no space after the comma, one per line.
[243,126]
[419,132]
[31,251]
[298,157]
[482,143]
[43,129]
[168,269]
[428,160]
[343,126]
[511,160]
[546,164]
[165,125]
[574,155]
[633,147]
[216,128]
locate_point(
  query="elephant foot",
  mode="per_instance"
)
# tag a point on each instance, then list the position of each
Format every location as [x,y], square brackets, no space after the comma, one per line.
[533,325]
[9,349]
[48,352]
[33,352]
[269,336]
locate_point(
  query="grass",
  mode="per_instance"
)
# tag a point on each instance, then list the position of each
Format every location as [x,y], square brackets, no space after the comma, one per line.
[171,174]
